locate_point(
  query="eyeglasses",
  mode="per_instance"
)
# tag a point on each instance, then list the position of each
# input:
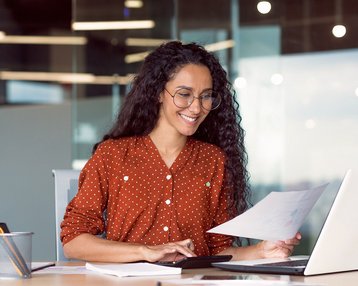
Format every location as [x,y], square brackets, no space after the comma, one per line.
[184,97]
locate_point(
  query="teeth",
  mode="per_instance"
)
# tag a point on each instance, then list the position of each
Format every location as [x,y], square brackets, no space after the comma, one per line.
[188,118]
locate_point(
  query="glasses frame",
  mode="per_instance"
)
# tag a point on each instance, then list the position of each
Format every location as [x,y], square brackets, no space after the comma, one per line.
[194,97]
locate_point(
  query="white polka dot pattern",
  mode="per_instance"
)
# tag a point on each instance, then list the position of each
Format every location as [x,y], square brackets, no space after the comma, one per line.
[145,201]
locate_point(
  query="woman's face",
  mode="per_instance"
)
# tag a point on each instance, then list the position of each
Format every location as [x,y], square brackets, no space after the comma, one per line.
[190,79]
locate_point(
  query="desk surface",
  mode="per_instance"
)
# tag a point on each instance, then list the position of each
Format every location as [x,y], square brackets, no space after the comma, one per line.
[339,279]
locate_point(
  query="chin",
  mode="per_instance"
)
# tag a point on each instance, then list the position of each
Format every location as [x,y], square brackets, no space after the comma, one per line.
[188,132]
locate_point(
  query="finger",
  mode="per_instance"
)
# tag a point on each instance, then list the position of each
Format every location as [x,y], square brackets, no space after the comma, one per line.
[284,250]
[295,240]
[285,246]
[292,241]
[189,243]
[184,250]
[176,249]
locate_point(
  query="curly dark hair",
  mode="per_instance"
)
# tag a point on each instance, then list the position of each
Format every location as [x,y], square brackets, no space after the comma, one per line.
[140,110]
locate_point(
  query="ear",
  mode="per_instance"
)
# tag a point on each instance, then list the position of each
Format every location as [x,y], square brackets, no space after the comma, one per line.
[161,97]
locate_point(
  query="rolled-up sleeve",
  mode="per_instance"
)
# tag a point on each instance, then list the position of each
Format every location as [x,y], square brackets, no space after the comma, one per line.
[84,214]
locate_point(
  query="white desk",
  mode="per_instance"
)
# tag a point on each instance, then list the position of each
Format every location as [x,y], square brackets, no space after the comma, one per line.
[339,279]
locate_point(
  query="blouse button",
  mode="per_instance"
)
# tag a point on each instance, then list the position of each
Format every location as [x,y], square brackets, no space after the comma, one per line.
[167,202]
[125,178]
[168,177]
[165,228]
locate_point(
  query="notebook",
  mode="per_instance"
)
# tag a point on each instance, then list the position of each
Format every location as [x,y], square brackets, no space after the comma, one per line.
[334,250]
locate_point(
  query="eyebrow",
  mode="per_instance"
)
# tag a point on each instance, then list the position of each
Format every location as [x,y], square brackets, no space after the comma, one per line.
[191,89]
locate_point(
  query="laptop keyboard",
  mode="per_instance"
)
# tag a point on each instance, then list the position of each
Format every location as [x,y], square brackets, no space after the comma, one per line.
[288,263]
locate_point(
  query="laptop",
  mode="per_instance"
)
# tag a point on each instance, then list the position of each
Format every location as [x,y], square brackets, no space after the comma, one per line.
[335,249]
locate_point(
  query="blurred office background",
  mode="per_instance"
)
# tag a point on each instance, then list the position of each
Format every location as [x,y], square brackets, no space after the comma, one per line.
[65,67]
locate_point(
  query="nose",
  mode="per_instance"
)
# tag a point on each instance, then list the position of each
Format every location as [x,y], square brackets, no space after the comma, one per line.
[195,106]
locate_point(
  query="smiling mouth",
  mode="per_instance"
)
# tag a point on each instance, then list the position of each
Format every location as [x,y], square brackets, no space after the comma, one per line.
[188,118]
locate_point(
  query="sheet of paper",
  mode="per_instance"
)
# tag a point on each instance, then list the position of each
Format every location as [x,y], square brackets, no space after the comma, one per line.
[276,217]
[132,269]
[64,270]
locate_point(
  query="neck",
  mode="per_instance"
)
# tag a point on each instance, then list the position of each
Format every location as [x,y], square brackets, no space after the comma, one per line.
[166,138]
[166,143]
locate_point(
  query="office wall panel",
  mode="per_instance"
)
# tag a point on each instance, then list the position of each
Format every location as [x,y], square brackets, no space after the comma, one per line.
[33,140]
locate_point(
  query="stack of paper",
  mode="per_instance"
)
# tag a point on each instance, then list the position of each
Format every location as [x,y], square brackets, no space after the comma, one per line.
[132,269]
[276,217]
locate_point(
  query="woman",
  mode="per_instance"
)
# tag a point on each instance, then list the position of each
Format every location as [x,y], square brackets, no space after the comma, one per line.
[171,167]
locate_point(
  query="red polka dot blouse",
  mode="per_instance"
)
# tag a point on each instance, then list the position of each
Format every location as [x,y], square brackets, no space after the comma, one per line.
[147,202]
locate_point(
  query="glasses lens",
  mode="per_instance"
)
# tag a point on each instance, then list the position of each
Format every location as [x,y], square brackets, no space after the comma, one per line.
[210,101]
[183,98]
[216,100]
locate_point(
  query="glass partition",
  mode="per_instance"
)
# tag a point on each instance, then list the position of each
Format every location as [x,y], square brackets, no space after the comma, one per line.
[293,64]
[294,79]
[119,34]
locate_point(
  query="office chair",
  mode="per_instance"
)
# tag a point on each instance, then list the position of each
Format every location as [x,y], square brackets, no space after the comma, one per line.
[66,184]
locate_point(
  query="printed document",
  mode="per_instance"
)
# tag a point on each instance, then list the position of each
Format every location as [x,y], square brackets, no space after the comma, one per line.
[132,269]
[276,217]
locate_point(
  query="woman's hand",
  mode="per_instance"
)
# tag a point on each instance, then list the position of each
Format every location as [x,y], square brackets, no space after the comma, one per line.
[280,248]
[172,251]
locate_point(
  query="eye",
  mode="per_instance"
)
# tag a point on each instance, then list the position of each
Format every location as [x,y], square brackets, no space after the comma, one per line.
[207,96]
[183,93]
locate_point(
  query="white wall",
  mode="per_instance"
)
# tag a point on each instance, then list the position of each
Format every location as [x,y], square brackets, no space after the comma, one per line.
[33,141]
